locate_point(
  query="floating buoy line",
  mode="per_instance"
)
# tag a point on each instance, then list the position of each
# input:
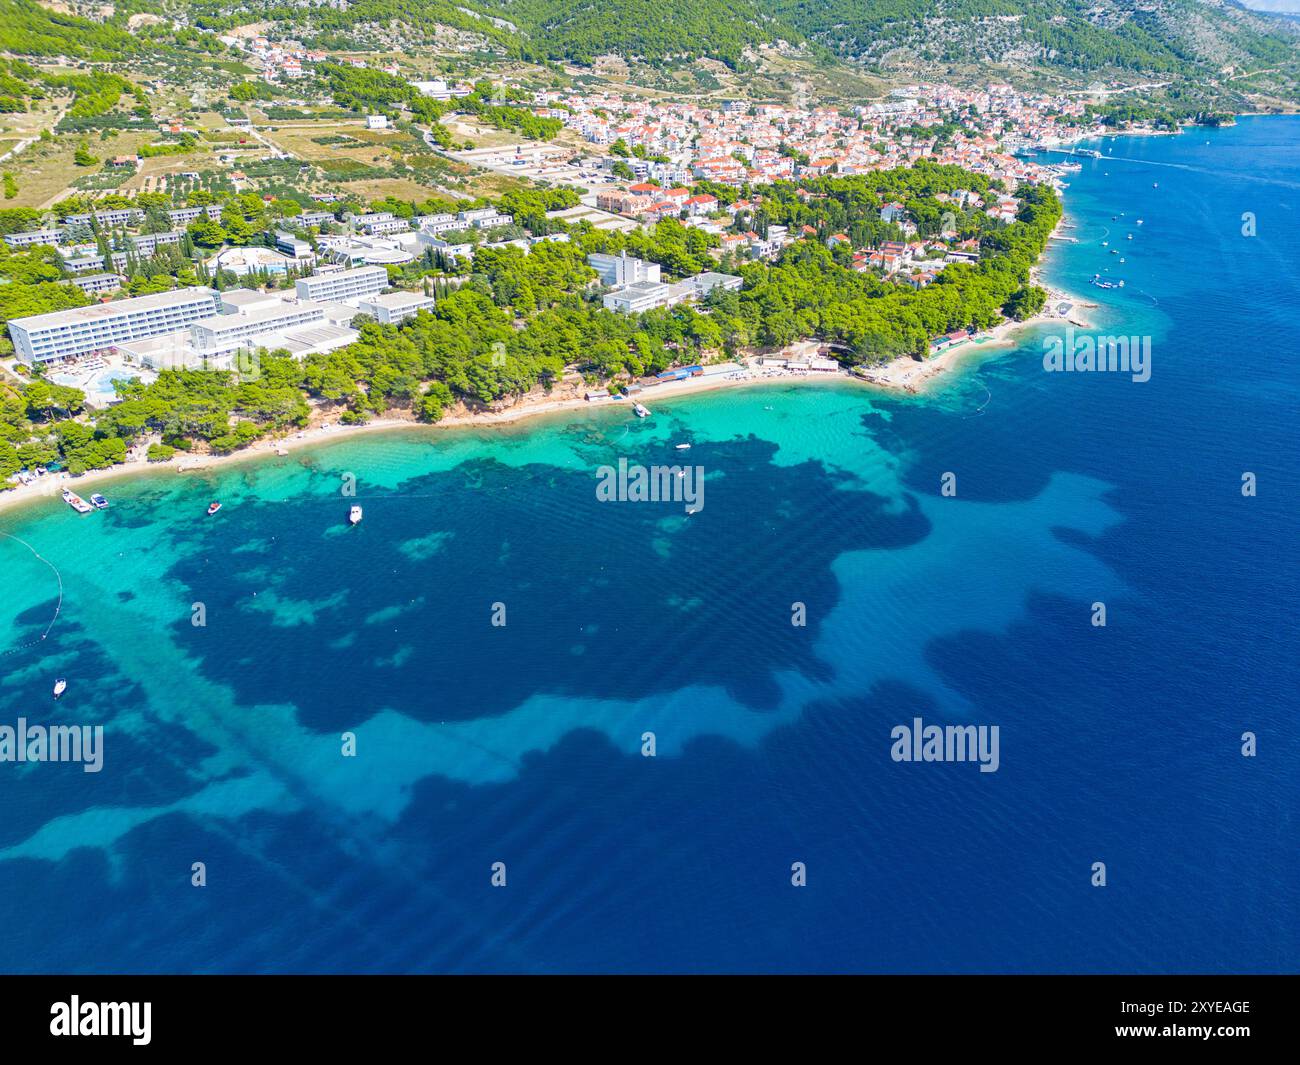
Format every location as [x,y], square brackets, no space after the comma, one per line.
[58,606]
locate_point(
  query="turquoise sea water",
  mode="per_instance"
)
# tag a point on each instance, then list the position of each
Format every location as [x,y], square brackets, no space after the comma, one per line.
[522,743]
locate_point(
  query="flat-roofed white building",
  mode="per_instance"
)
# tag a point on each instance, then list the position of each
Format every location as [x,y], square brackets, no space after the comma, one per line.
[148,243]
[343,286]
[491,220]
[381,223]
[638,297]
[436,224]
[293,246]
[225,332]
[64,334]
[82,264]
[389,308]
[373,251]
[247,300]
[122,216]
[183,216]
[312,339]
[619,270]
[452,251]
[36,236]
[709,280]
[92,283]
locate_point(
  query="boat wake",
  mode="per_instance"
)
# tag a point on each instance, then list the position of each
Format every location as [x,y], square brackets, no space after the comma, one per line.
[1206,170]
[979,411]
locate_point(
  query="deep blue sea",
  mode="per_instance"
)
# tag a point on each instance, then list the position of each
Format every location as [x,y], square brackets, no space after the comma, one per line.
[522,744]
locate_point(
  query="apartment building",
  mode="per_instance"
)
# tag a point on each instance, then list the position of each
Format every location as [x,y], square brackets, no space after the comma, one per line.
[637,297]
[225,332]
[295,247]
[43,338]
[641,296]
[434,224]
[83,264]
[343,286]
[36,236]
[147,243]
[183,216]
[620,270]
[380,223]
[125,216]
[91,284]
[389,308]
[487,219]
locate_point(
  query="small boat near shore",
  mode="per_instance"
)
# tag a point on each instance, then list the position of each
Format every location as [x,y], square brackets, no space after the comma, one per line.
[98,501]
[60,686]
[640,410]
[76,502]
[354,516]
[213,508]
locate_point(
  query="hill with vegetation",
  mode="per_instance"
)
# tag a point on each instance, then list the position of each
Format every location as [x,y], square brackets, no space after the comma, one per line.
[1190,40]
[1149,36]
[1217,45]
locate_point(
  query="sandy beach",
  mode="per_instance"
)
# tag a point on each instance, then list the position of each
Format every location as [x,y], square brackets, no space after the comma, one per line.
[902,374]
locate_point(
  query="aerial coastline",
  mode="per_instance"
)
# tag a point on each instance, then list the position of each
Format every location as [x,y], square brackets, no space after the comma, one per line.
[768,488]
[902,375]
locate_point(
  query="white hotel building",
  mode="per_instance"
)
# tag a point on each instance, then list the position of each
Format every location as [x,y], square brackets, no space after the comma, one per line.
[620,270]
[63,334]
[226,332]
[390,308]
[343,286]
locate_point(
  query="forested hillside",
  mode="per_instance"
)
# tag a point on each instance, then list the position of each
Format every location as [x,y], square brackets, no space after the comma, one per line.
[1190,41]
[1161,36]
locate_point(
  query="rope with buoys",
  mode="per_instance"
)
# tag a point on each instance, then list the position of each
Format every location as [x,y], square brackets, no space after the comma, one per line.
[58,606]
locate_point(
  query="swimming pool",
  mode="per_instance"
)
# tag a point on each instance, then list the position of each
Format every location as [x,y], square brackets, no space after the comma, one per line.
[98,384]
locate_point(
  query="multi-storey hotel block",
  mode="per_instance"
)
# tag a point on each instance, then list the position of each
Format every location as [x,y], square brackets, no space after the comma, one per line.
[389,308]
[63,334]
[343,286]
[52,237]
[225,332]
